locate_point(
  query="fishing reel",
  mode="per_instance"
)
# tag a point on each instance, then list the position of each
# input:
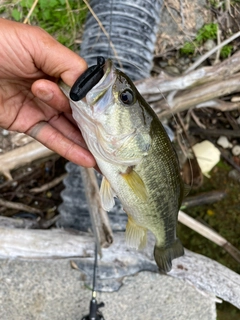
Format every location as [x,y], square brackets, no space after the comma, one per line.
[94,312]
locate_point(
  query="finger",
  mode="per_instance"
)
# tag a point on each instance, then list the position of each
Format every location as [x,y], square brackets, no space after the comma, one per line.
[69,130]
[49,92]
[56,141]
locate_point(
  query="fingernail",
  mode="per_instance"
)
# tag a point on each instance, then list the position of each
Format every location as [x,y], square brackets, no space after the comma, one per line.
[44,95]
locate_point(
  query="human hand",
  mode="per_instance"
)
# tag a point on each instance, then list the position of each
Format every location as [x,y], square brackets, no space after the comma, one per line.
[31,102]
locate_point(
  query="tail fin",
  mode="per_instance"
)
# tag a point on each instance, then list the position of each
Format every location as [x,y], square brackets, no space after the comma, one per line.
[164,256]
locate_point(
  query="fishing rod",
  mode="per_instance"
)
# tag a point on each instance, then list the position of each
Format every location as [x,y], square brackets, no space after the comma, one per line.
[94,312]
[83,84]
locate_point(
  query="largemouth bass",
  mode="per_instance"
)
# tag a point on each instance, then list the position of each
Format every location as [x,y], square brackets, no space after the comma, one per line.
[137,160]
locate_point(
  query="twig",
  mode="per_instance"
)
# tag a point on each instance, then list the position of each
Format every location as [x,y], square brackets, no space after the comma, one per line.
[218,42]
[200,94]
[220,105]
[30,11]
[229,160]
[19,206]
[203,198]
[18,178]
[21,223]
[49,185]
[215,132]
[45,224]
[22,156]
[165,83]
[196,119]
[182,13]
[209,234]
[228,6]
[209,53]
[99,218]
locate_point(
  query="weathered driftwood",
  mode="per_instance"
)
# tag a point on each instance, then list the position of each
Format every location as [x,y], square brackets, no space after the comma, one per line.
[209,234]
[220,104]
[6,222]
[202,87]
[199,94]
[22,156]
[99,218]
[19,206]
[118,260]
[166,83]
[56,243]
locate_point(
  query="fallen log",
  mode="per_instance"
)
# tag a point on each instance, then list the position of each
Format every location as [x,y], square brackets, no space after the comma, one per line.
[118,260]
[166,83]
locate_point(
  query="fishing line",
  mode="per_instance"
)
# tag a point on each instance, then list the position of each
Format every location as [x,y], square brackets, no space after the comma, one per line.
[94,312]
[110,28]
[81,86]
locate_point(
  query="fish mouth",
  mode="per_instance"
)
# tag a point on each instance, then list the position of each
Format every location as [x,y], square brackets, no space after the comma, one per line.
[87,80]
[94,83]
[100,97]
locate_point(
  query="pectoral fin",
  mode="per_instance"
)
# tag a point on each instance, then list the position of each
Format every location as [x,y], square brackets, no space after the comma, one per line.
[136,236]
[135,182]
[107,195]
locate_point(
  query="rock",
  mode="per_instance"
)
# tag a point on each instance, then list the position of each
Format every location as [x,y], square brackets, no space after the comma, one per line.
[236,150]
[209,45]
[235,175]
[172,70]
[207,156]
[51,289]
[223,142]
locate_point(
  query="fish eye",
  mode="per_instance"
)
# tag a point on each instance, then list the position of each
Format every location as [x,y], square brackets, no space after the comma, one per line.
[127,97]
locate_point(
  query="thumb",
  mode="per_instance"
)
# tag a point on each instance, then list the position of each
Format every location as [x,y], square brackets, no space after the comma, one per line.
[54,59]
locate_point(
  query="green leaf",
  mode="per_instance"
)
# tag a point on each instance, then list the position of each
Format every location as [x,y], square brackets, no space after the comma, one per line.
[188,48]
[44,4]
[26,4]
[226,51]
[208,31]
[16,15]
[46,14]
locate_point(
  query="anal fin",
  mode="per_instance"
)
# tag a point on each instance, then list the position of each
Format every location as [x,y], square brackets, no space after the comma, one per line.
[136,236]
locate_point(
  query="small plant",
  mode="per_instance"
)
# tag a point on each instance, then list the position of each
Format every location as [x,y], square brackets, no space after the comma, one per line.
[188,48]
[208,31]
[61,18]
[226,51]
